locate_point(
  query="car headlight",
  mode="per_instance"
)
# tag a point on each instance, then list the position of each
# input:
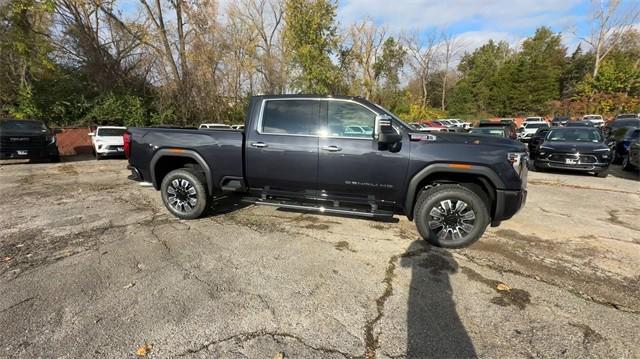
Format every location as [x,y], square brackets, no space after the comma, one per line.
[51,140]
[518,160]
[546,148]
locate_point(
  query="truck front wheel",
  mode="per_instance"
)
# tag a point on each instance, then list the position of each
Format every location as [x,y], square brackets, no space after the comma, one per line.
[450,216]
[184,194]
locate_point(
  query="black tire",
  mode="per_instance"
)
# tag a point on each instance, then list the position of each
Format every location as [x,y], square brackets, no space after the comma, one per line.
[54,159]
[189,200]
[626,164]
[532,166]
[433,200]
[603,173]
[616,158]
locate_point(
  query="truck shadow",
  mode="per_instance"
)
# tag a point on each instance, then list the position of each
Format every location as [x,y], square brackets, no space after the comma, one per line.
[434,329]
[225,204]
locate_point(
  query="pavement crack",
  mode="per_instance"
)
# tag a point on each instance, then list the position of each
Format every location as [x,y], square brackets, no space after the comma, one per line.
[372,340]
[245,337]
[26,300]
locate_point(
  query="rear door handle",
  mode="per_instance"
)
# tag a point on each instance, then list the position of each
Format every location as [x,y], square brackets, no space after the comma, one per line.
[331,148]
[259,144]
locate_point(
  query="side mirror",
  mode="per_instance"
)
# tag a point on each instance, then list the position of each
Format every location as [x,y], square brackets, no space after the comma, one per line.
[385,131]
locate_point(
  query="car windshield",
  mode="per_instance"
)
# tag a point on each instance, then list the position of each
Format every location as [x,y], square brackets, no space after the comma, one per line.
[487,131]
[626,123]
[18,125]
[116,132]
[536,125]
[574,135]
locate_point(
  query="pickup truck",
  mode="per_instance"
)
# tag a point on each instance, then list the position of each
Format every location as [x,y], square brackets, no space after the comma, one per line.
[297,152]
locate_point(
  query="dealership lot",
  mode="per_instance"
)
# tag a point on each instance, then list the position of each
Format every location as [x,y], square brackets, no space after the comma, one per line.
[92,265]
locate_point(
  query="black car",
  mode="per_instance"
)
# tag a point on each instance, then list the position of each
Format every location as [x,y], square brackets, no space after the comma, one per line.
[579,149]
[491,131]
[579,124]
[27,139]
[537,140]
[560,121]
[621,133]
[296,153]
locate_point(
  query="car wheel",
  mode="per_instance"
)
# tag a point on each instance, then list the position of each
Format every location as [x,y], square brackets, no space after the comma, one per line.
[532,166]
[615,157]
[450,216]
[184,193]
[603,174]
[626,164]
[54,159]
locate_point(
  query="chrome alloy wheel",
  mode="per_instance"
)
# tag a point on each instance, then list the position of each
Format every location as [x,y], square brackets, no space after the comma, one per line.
[451,219]
[182,195]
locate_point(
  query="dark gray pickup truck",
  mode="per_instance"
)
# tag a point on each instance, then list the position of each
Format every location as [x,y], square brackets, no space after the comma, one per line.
[341,155]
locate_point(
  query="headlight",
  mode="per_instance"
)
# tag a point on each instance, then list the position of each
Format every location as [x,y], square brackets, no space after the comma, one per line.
[546,148]
[51,140]
[518,160]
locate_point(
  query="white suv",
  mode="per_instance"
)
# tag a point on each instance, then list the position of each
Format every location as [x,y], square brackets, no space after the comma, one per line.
[596,120]
[107,141]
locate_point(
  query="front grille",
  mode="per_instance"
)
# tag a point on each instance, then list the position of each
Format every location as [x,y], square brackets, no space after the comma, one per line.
[21,142]
[561,157]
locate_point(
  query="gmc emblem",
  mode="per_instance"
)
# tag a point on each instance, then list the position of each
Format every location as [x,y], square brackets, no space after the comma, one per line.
[18,139]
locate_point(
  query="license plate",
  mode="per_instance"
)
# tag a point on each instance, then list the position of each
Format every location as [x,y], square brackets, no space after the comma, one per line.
[570,161]
[22,152]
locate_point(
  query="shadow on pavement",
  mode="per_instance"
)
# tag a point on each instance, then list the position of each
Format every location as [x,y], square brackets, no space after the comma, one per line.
[434,329]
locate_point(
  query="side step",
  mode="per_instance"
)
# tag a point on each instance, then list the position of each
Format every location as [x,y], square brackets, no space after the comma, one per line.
[320,208]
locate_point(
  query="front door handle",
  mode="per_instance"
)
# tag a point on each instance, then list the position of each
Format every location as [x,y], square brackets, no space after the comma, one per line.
[331,148]
[259,144]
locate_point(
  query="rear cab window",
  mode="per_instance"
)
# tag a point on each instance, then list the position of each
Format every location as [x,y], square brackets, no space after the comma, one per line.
[291,117]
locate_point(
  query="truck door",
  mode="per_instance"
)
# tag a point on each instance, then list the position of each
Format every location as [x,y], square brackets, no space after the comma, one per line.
[350,162]
[282,149]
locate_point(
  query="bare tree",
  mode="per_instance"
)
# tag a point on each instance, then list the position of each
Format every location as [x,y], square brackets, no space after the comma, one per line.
[422,53]
[450,49]
[365,47]
[610,20]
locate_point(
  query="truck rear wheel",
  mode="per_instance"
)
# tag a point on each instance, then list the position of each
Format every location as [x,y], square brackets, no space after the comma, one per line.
[184,193]
[450,216]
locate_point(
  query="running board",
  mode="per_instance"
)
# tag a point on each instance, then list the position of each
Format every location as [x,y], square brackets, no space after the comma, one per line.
[320,208]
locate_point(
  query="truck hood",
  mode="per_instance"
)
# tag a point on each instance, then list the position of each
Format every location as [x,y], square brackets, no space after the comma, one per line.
[468,139]
[110,140]
[574,147]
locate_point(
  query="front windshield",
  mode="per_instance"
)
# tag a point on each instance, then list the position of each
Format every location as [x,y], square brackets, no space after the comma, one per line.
[19,125]
[536,125]
[574,135]
[107,132]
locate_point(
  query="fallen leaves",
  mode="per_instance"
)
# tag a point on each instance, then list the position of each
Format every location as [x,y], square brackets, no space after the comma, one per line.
[6,259]
[501,287]
[144,350]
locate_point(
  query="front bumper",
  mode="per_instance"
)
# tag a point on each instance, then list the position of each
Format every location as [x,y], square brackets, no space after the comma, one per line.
[584,167]
[508,203]
[114,150]
[50,151]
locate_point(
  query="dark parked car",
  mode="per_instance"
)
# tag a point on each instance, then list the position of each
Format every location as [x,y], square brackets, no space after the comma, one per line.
[579,124]
[294,153]
[27,139]
[631,161]
[619,126]
[537,140]
[621,134]
[560,121]
[490,131]
[507,123]
[579,149]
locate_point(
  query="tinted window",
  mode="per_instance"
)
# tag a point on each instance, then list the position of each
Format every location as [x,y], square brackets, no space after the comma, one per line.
[111,131]
[488,131]
[293,117]
[349,119]
[537,125]
[574,135]
[625,123]
[634,134]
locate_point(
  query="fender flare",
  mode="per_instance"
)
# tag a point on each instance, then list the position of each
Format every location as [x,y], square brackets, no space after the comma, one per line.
[180,153]
[487,172]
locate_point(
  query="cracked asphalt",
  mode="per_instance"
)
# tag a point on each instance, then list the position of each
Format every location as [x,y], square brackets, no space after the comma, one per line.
[92,265]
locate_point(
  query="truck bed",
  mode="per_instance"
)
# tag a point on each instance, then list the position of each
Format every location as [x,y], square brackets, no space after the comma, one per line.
[221,149]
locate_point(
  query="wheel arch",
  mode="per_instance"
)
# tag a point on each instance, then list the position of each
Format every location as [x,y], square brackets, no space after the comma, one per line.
[479,179]
[168,159]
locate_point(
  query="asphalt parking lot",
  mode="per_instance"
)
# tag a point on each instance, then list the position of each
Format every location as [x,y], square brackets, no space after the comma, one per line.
[92,265]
